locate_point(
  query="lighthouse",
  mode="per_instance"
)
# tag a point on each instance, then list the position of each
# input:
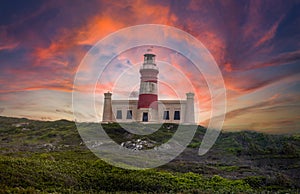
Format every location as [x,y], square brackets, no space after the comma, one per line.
[145,108]
[147,102]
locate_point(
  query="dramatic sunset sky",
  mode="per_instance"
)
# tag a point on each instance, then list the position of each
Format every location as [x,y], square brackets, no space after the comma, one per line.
[256,45]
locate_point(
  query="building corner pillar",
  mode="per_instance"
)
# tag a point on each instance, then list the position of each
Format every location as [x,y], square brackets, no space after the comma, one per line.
[189,109]
[107,108]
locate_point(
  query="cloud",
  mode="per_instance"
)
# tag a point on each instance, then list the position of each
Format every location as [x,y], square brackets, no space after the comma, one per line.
[285,58]
[61,42]
[64,111]
[247,86]
[8,46]
[281,59]
[268,105]
[269,35]
[255,45]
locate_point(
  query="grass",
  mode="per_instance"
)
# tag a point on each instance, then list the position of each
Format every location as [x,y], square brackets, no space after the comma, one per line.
[49,157]
[78,172]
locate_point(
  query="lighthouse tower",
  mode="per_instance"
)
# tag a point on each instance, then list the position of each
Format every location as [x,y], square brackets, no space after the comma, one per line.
[147,102]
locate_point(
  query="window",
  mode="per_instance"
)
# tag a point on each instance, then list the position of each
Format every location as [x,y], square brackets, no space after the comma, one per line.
[129,114]
[119,114]
[149,58]
[177,115]
[166,115]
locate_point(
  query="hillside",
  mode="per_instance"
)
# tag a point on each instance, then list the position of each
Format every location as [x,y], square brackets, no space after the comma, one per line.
[51,157]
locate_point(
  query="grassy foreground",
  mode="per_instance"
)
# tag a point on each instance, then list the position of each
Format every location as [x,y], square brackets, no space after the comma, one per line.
[50,157]
[71,171]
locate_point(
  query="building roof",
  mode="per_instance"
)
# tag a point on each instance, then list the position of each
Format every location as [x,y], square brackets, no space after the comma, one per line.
[133,102]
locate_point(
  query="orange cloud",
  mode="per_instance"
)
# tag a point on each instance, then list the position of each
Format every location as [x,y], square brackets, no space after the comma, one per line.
[228,67]
[57,55]
[96,29]
[105,23]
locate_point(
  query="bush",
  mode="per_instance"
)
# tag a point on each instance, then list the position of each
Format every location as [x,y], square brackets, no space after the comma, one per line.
[57,173]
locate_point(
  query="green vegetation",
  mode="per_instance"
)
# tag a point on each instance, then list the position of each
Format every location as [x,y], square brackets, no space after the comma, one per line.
[61,172]
[50,157]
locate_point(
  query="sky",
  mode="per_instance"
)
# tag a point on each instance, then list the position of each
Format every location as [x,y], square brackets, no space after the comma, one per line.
[255,44]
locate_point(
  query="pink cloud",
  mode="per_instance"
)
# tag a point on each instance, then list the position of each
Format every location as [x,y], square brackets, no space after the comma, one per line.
[268,35]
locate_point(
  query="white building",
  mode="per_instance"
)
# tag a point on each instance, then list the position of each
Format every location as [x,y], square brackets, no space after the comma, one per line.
[147,108]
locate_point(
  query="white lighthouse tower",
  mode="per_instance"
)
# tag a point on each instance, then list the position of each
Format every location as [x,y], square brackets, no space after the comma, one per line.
[146,108]
[147,102]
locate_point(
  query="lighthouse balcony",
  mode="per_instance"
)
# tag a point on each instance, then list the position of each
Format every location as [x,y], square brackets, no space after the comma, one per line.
[149,66]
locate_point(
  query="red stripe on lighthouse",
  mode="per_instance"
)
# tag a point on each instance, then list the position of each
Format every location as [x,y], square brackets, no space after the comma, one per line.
[148,101]
[154,81]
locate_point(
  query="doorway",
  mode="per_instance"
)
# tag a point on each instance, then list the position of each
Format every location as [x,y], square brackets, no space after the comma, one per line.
[145,117]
